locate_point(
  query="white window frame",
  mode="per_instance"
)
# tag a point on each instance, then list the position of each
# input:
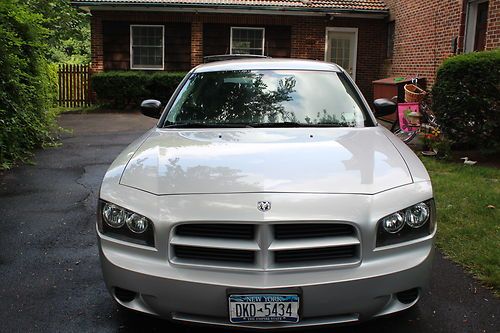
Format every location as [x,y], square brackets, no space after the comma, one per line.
[470,25]
[355,51]
[248,28]
[162,48]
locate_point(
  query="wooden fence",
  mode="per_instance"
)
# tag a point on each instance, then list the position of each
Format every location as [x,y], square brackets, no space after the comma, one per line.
[74,86]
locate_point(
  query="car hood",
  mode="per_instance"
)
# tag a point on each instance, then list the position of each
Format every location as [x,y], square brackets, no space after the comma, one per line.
[309,160]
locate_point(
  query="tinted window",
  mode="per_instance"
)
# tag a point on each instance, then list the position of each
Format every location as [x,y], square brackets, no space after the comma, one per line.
[269,97]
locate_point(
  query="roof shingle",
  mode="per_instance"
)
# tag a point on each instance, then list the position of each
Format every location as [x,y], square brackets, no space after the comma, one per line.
[347,5]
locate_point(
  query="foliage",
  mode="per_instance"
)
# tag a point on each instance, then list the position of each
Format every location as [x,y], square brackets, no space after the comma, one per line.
[468,209]
[26,82]
[68,31]
[466,99]
[431,136]
[129,88]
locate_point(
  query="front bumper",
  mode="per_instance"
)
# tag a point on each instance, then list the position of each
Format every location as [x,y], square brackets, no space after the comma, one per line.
[329,295]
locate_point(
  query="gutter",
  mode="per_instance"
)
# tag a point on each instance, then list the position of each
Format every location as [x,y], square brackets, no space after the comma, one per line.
[234,9]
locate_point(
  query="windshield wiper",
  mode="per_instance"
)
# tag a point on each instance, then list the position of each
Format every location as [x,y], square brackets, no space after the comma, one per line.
[345,124]
[203,125]
[295,124]
[281,124]
[261,125]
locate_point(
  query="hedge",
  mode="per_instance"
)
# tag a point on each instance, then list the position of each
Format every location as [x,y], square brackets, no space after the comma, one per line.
[129,88]
[466,100]
[27,83]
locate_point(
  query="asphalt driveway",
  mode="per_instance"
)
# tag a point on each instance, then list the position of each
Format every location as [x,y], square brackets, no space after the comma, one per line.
[50,279]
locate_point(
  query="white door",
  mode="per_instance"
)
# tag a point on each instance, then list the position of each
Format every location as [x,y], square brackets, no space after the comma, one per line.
[341,48]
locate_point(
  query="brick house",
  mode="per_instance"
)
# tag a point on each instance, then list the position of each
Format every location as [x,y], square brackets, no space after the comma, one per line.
[175,35]
[422,34]
[371,39]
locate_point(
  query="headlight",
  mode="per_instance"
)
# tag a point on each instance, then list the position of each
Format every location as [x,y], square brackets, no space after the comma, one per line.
[137,223]
[413,222]
[417,215]
[118,222]
[393,223]
[113,215]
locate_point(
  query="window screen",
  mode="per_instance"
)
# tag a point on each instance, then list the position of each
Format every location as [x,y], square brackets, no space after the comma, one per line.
[247,41]
[146,46]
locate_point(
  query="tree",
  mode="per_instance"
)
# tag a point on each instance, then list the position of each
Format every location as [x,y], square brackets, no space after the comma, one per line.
[68,39]
[26,88]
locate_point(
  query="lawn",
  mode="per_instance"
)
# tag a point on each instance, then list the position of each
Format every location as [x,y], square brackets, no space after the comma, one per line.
[468,204]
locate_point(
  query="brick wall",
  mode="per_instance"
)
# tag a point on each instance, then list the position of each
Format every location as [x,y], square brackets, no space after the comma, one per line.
[196,41]
[424,33]
[96,44]
[493,34]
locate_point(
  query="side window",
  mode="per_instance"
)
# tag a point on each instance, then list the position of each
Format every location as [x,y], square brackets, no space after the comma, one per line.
[247,40]
[147,47]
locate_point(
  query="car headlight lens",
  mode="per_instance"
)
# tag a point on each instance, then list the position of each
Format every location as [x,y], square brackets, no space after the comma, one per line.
[113,215]
[413,222]
[118,222]
[417,215]
[137,223]
[393,223]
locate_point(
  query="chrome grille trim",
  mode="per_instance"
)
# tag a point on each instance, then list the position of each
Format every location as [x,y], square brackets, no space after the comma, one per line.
[274,246]
[312,230]
[309,243]
[215,243]
[217,230]
[315,254]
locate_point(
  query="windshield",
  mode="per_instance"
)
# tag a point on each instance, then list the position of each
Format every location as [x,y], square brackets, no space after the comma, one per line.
[267,98]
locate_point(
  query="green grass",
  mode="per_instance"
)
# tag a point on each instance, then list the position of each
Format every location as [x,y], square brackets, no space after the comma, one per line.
[468,230]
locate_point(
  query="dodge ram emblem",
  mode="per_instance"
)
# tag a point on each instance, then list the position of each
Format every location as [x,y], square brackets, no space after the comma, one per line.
[263,206]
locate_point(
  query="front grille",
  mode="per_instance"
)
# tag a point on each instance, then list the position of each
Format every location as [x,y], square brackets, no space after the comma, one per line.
[217,230]
[209,254]
[312,230]
[317,254]
[265,246]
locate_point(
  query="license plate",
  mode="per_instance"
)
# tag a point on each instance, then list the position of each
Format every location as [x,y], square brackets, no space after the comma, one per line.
[262,307]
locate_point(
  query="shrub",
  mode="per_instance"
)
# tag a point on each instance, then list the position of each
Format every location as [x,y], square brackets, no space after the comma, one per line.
[26,83]
[129,88]
[466,100]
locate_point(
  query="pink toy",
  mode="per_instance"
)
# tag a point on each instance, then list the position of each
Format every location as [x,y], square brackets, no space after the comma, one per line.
[409,116]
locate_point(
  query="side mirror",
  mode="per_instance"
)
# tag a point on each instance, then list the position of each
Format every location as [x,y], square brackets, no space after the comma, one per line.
[151,108]
[384,107]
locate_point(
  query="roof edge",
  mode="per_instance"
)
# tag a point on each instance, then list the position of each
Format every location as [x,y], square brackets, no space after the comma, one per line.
[110,5]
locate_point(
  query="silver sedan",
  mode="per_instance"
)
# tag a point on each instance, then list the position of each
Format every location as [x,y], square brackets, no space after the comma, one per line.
[267,196]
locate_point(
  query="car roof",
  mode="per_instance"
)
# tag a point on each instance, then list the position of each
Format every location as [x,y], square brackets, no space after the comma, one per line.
[260,64]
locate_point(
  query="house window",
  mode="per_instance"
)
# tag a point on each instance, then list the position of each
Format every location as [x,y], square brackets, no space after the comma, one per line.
[477,23]
[147,47]
[247,40]
[391,31]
